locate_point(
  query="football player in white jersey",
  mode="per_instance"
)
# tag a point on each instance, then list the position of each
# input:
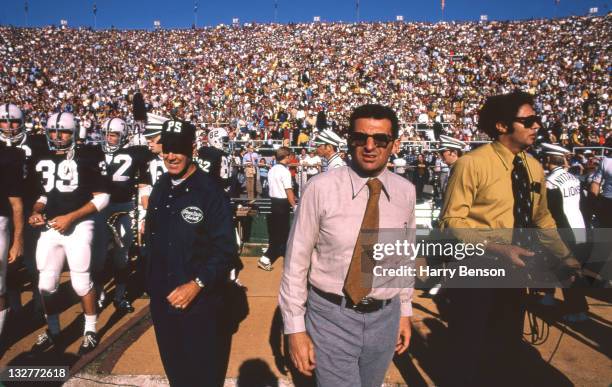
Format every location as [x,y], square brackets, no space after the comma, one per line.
[125,168]
[563,195]
[72,189]
[328,143]
[563,191]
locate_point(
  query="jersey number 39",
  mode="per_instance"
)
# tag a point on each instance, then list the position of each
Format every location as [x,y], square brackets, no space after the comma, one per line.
[66,179]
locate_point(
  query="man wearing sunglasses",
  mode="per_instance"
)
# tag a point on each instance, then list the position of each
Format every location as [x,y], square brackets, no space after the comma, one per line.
[338,323]
[497,186]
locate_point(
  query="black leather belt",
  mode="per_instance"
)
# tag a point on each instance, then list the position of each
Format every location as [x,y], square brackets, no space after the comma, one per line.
[366,305]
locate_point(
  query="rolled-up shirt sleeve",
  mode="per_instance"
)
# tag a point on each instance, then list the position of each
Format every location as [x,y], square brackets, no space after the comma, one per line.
[294,281]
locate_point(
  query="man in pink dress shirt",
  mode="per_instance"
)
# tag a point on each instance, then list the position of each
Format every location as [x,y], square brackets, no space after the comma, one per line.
[347,343]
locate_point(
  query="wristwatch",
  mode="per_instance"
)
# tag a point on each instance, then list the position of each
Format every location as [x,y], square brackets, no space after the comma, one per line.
[199,282]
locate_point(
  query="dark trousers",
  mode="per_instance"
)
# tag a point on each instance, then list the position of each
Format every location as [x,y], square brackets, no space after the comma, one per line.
[189,341]
[278,228]
[485,331]
[419,183]
[604,213]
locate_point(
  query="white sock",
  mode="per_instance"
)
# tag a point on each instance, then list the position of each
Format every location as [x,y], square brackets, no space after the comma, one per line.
[265,260]
[53,324]
[119,292]
[3,314]
[101,295]
[90,323]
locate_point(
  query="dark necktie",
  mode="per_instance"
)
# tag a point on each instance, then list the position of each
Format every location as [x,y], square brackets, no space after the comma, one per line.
[522,202]
[356,284]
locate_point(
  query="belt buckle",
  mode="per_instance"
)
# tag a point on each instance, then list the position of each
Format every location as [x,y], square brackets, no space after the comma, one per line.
[363,305]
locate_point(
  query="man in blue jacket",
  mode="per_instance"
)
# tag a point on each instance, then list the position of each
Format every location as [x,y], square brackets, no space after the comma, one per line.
[190,238]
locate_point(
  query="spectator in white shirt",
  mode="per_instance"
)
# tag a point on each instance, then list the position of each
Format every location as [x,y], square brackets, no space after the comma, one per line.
[282,200]
[312,163]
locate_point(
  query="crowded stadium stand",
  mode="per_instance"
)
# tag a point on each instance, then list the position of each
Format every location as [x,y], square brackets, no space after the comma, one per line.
[270,81]
[273,85]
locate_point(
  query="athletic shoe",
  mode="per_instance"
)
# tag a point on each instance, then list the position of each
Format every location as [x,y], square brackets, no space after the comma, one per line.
[434,291]
[123,306]
[101,302]
[90,342]
[44,342]
[264,265]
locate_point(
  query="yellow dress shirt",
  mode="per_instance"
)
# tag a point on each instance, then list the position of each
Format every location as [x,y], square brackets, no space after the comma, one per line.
[479,196]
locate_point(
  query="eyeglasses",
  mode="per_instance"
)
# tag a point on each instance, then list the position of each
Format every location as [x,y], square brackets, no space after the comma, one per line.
[529,121]
[381,140]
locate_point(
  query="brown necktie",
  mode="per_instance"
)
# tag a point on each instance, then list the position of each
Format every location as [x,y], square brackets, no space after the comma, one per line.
[358,282]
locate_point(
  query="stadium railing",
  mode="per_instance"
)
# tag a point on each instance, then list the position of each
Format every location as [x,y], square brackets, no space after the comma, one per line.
[597,150]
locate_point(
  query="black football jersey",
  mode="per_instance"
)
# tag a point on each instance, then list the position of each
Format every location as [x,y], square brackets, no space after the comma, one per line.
[125,169]
[12,161]
[69,184]
[33,147]
[155,169]
[213,162]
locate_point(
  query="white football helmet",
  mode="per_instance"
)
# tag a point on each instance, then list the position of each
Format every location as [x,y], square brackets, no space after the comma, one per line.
[113,125]
[15,131]
[58,123]
[217,137]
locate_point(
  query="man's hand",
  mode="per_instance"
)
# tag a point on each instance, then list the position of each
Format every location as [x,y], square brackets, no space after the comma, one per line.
[182,296]
[61,223]
[36,219]
[403,336]
[302,352]
[16,250]
[511,252]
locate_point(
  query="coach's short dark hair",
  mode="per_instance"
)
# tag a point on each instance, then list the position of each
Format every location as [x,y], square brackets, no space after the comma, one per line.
[378,112]
[501,108]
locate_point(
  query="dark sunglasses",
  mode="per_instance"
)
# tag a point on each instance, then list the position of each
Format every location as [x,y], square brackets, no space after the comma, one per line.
[381,140]
[529,121]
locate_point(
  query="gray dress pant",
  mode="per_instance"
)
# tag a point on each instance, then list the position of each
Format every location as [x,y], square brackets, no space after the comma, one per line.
[351,349]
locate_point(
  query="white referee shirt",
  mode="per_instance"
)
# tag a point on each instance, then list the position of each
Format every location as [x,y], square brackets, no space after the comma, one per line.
[279,179]
[335,162]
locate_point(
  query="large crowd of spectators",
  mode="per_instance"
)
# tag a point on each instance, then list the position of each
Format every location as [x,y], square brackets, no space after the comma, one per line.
[272,81]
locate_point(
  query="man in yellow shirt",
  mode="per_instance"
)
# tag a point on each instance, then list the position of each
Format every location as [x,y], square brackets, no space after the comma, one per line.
[497,186]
